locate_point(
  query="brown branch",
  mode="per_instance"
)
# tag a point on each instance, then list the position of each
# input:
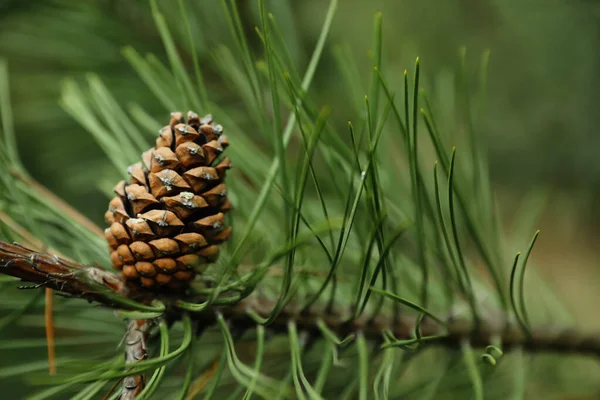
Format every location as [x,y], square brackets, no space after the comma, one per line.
[548,339]
[84,281]
[57,273]
[136,349]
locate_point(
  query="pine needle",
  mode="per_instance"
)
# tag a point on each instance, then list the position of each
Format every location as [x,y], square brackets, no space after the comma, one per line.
[50,331]
[59,203]
[203,380]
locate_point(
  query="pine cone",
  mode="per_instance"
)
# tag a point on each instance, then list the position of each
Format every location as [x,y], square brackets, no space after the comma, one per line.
[167,222]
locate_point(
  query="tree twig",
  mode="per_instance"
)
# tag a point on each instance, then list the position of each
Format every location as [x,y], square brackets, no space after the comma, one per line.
[60,274]
[85,281]
[136,349]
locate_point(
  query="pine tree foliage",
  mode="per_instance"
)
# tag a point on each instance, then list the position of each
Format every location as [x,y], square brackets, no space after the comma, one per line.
[367,258]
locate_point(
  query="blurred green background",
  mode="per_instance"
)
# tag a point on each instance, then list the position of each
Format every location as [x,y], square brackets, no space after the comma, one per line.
[543,75]
[541,123]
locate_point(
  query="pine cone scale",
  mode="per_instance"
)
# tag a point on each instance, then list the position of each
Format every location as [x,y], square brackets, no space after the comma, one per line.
[166,223]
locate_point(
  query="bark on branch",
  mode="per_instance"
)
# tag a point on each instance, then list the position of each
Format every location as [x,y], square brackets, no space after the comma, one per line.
[45,270]
[136,349]
[95,284]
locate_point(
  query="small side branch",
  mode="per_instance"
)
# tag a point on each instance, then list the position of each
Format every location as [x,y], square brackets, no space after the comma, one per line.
[95,284]
[44,270]
[541,340]
[136,349]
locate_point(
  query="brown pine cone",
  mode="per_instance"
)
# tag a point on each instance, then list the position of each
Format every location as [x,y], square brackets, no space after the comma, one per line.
[167,222]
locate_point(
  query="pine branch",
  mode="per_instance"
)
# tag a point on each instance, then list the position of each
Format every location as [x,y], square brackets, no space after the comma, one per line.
[551,340]
[136,349]
[68,277]
[95,284]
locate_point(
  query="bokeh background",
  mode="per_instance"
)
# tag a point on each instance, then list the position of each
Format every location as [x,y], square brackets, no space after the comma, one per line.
[542,116]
